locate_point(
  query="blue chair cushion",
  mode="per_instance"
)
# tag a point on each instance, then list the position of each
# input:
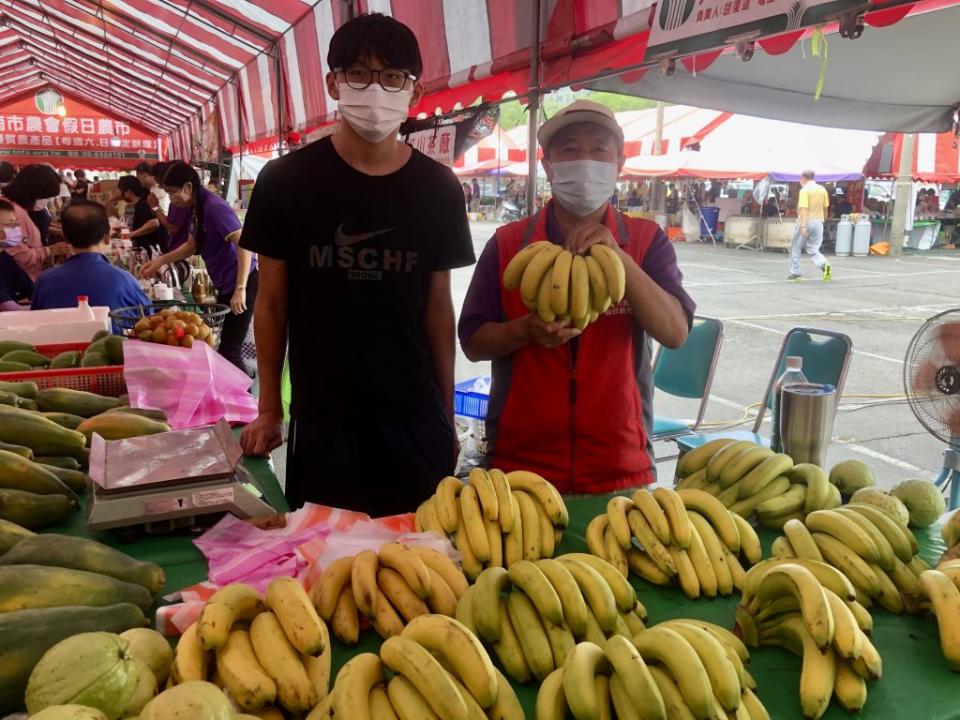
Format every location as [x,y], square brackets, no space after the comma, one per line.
[664,426]
[689,442]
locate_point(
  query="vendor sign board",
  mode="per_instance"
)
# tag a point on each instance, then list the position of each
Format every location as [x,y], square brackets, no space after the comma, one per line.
[436,143]
[47,126]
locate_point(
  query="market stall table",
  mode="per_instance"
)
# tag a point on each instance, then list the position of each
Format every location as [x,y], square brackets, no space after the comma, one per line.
[916,683]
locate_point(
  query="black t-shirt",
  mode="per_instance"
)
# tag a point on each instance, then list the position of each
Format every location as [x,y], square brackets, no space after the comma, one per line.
[15,284]
[142,214]
[79,189]
[42,219]
[359,251]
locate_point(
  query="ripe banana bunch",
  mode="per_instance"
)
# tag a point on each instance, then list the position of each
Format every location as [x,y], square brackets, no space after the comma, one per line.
[942,588]
[496,518]
[276,652]
[750,479]
[874,550]
[809,608]
[389,589]
[438,669]
[559,285]
[684,537]
[533,614]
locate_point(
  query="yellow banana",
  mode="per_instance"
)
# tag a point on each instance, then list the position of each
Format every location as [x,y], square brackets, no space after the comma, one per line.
[531,634]
[530,521]
[736,569]
[814,608]
[844,529]
[724,637]
[716,552]
[448,508]
[818,673]
[344,622]
[544,305]
[839,554]
[486,609]
[513,273]
[697,459]
[504,505]
[801,540]
[513,540]
[318,671]
[495,541]
[380,707]
[602,684]
[571,598]
[560,283]
[847,638]
[363,581]
[722,674]
[900,538]
[788,503]
[396,589]
[326,593]
[474,711]
[561,642]
[673,700]
[471,564]
[460,651]
[945,598]
[583,664]
[827,575]
[746,459]
[540,265]
[706,576]
[744,508]
[599,292]
[749,542]
[279,659]
[596,534]
[407,701]
[410,659]
[508,647]
[545,493]
[613,270]
[323,711]
[650,543]
[596,591]
[466,614]
[623,704]
[579,288]
[667,646]
[249,685]
[886,558]
[486,493]
[863,616]
[725,455]
[676,513]
[225,607]
[638,683]
[781,548]
[615,555]
[473,522]
[764,474]
[507,705]
[817,482]
[444,567]
[714,511]
[849,688]
[617,508]
[551,698]
[686,573]
[623,592]
[527,577]
[356,679]
[869,665]
[641,564]
[754,706]
[426,518]
[190,659]
[442,600]
[548,543]
[696,480]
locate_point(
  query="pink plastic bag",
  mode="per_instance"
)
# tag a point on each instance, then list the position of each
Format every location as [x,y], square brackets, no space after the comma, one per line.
[194,386]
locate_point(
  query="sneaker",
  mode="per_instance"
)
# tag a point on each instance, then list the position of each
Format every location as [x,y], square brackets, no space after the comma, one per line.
[794,277]
[827,272]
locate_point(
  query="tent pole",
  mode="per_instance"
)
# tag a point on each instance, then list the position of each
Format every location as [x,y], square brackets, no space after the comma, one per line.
[533,108]
[901,194]
[659,196]
[281,101]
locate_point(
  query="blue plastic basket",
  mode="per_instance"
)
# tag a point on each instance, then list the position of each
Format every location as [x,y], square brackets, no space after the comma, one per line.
[471,397]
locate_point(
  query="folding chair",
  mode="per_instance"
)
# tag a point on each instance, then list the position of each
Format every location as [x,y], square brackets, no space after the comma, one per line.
[687,372]
[826,358]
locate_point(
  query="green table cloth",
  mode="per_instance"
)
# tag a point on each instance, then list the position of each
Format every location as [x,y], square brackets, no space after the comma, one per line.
[916,684]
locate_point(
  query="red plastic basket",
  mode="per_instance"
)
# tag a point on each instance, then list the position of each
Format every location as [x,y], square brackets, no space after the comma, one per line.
[106,380]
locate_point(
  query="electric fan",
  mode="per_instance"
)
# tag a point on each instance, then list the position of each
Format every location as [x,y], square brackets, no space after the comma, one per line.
[931,381]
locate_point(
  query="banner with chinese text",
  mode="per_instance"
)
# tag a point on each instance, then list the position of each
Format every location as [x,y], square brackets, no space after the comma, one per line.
[436,144]
[47,126]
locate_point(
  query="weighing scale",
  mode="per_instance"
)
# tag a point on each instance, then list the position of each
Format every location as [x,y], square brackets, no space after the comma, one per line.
[171,480]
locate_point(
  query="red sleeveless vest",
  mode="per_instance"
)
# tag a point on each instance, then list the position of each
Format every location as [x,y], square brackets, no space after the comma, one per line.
[576,418]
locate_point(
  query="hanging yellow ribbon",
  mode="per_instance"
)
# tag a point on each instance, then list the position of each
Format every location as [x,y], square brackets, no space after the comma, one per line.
[816,41]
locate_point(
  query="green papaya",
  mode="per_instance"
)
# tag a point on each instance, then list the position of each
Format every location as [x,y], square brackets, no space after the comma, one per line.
[76,480]
[11,345]
[28,357]
[11,534]
[67,420]
[34,511]
[78,553]
[66,463]
[94,360]
[8,398]
[17,449]
[6,366]
[100,335]
[26,403]
[113,349]
[68,359]
[23,389]
[26,635]
[26,587]
[117,426]
[21,474]
[159,415]
[76,402]
[40,434]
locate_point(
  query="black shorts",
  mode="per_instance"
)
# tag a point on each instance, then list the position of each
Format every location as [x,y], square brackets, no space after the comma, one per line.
[380,469]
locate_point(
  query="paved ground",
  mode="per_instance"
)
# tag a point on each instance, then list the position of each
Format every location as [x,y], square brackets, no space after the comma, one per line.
[879,302]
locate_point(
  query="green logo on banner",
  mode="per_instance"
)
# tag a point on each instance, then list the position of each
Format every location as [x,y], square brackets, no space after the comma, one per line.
[673,13]
[48,101]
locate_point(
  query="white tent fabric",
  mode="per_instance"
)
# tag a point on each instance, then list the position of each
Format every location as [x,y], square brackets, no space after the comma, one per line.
[251,166]
[893,78]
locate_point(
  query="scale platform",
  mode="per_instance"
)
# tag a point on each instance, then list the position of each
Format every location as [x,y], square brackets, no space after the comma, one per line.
[171,480]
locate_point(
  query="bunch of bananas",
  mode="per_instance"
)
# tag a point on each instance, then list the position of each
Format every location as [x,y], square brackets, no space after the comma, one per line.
[942,588]
[677,669]
[750,479]
[875,551]
[389,589]
[559,285]
[438,669]
[535,613]
[266,652]
[685,536]
[808,607]
[496,518]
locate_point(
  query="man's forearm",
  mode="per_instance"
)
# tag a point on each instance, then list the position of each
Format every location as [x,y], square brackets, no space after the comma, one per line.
[270,333]
[495,340]
[655,310]
[148,227]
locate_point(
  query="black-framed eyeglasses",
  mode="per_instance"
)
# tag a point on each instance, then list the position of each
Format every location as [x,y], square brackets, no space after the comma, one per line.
[360,77]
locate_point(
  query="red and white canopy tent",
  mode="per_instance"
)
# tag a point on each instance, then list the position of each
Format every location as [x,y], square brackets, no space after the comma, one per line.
[936,157]
[490,154]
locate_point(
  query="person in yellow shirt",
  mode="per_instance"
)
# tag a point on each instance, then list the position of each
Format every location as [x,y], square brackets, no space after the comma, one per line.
[811,211]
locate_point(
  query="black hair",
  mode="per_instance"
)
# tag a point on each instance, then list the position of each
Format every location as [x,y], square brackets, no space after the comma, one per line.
[82,174]
[158,171]
[143,167]
[6,205]
[31,184]
[7,172]
[179,174]
[84,223]
[379,36]
[130,182]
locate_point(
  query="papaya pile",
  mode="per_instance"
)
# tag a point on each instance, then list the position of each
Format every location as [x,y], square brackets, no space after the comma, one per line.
[104,349]
[177,328]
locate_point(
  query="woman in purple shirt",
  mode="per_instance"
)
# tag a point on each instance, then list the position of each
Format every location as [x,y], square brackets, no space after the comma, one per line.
[215,230]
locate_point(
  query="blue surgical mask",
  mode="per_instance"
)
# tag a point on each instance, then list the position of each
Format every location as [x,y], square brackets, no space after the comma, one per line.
[12,236]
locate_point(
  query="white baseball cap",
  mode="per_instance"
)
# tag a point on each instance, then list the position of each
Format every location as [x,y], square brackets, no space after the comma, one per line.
[579,112]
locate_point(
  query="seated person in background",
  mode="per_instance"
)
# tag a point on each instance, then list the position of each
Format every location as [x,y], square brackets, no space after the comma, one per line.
[87,272]
[145,228]
[15,284]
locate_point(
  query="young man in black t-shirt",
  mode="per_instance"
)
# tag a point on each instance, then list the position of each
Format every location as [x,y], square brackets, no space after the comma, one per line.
[356,236]
[146,231]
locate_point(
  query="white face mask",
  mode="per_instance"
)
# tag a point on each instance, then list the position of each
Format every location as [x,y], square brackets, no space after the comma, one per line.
[12,236]
[373,112]
[582,186]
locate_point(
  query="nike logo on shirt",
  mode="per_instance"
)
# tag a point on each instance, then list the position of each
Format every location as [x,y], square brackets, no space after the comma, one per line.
[342,239]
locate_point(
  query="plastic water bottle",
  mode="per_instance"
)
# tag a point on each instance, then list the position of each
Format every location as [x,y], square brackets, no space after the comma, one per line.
[84,312]
[791,375]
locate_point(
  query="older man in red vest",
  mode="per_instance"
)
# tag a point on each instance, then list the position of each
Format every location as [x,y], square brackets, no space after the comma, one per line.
[576,406]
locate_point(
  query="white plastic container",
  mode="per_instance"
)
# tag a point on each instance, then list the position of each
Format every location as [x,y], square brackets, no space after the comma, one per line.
[48,327]
[861,236]
[844,236]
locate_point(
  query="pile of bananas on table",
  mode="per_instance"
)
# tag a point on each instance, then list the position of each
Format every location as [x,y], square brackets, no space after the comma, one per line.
[676,670]
[750,479]
[389,588]
[533,614]
[559,285]
[439,670]
[496,518]
[809,608]
[685,536]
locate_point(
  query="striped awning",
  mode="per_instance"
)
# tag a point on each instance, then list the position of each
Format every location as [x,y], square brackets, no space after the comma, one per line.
[936,157]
